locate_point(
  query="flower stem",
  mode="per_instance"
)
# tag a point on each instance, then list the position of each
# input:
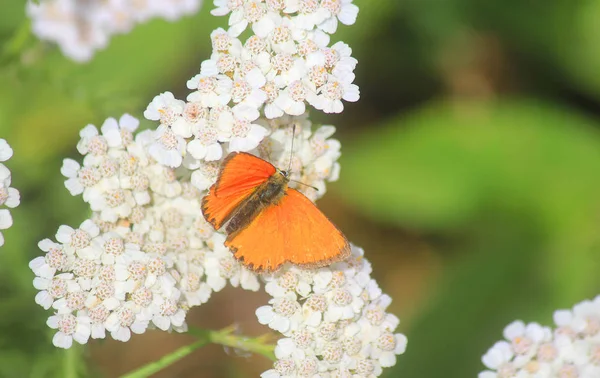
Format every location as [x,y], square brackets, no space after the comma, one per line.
[259,345]
[71,360]
[224,337]
[153,367]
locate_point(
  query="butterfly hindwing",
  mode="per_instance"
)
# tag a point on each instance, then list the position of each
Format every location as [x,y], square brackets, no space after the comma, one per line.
[295,231]
[240,175]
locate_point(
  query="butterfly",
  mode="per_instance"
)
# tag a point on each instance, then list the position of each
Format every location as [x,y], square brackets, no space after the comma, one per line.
[269,224]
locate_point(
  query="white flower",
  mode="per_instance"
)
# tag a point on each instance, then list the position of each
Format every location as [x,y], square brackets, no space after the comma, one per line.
[220,266]
[80,29]
[289,281]
[225,7]
[6,151]
[113,204]
[205,175]
[195,291]
[5,176]
[536,351]
[247,90]
[69,328]
[286,69]
[243,135]
[168,148]
[361,344]
[119,133]
[164,108]
[344,303]
[210,90]
[251,12]
[56,259]
[310,14]
[124,320]
[53,288]
[91,142]
[149,255]
[206,144]
[292,99]
[331,94]
[387,347]
[167,312]
[342,10]
[173,10]
[339,57]
[283,315]
[70,169]
[78,238]
[73,301]
[9,197]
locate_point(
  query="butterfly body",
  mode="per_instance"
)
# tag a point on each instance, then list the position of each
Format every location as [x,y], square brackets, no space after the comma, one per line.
[268,194]
[268,223]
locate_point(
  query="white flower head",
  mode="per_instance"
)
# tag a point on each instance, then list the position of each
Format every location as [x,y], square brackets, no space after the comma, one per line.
[206,144]
[168,148]
[237,127]
[164,108]
[69,327]
[80,29]
[6,151]
[148,256]
[342,10]
[333,320]
[334,91]
[210,90]
[119,133]
[531,350]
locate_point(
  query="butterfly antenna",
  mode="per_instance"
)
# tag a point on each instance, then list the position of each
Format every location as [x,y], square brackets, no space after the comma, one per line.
[301,183]
[292,149]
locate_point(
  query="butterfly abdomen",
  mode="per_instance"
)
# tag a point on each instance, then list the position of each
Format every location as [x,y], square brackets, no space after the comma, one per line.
[271,193]
[268,194]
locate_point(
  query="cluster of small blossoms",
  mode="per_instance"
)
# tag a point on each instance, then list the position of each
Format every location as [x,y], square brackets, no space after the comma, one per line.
[82,27]
[9,197]
[571,349]
[100,282]
[147,255]
[334,321]
[284,64]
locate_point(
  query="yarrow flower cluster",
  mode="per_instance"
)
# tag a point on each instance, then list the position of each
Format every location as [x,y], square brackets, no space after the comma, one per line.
[147,255]
[284,64]
[571,349]
[9,197]
[82,27]
[334,321]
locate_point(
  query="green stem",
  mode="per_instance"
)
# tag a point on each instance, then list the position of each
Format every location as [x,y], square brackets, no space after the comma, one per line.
[258,345]
[71,361]
[224,337]
[156,366]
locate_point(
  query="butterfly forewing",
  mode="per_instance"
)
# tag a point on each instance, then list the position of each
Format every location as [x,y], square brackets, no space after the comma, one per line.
[240,175]
[295,231]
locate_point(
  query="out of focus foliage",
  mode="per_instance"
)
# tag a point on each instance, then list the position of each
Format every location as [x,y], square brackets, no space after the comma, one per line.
[476,141]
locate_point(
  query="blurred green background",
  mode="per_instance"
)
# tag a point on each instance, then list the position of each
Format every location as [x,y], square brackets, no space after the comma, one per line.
[470,174]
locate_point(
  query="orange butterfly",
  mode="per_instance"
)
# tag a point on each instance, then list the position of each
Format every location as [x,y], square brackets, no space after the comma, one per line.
[269,223]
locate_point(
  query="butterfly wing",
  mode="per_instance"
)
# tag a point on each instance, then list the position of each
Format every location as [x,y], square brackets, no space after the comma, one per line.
[294,230]
[240,175]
